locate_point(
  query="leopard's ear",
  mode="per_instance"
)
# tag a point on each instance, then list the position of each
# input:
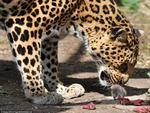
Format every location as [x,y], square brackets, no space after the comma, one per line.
[138,32]
[118,34]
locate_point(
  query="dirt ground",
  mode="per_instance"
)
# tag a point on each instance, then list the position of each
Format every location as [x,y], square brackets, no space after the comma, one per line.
[76,67]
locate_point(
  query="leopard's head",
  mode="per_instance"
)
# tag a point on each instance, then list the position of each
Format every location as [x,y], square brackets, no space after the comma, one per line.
[115,52]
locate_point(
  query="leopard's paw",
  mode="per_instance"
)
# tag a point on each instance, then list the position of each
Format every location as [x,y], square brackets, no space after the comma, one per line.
[148,92]
[74,90]
[48,98]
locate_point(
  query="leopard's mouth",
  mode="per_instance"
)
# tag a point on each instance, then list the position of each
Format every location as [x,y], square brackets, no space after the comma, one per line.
[104,77]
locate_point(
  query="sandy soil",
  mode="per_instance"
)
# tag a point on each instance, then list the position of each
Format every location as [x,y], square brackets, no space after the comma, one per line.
[76,67]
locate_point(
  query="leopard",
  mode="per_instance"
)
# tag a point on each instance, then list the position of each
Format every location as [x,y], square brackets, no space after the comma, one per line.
[34,28]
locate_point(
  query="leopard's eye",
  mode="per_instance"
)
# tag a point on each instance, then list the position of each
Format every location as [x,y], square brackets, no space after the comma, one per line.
[123,68]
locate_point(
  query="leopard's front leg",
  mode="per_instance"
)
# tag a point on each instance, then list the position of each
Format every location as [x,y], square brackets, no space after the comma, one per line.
[26,48]
[50,70]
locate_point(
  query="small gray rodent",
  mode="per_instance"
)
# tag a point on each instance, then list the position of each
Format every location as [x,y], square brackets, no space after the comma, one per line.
[118,91]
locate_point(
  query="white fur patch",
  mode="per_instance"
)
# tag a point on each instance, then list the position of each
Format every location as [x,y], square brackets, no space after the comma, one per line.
[102,82]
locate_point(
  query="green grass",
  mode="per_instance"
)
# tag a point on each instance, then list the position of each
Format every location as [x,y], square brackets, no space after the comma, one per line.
[132,5]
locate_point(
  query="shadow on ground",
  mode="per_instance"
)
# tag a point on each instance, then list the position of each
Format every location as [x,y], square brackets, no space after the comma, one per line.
[88,83]
[9,73]
[85,73]
[15,100]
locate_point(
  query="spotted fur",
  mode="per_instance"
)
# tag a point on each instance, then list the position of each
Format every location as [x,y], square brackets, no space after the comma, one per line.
[34,28]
